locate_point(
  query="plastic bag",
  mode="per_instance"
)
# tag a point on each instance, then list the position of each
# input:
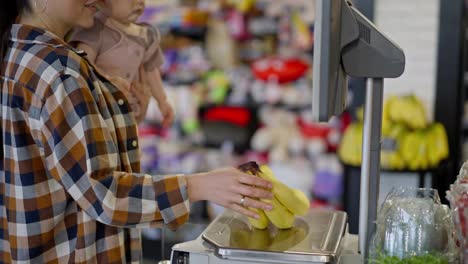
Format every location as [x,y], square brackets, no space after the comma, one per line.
[413,225]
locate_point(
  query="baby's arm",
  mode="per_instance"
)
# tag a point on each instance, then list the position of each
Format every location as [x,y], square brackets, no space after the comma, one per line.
[152,76]
[157,87]
[153,79]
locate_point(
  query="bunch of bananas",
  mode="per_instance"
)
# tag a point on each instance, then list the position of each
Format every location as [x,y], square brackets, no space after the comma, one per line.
[425,148]
[408,140]
[407,110]
[350,149]
[390,153]
[287,202]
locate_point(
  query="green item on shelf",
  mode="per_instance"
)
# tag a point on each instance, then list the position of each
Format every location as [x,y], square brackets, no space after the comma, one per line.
[190,126]
[217,83]
[218,95]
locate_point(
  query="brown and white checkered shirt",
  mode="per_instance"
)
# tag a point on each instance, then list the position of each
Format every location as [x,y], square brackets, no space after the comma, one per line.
[70,187]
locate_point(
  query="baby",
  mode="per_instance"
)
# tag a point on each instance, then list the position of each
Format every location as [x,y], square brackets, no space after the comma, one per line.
[128,53]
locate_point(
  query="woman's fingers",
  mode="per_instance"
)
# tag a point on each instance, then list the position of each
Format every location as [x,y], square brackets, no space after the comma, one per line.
[255,181]
[252,203]
[243,210]
[253,192]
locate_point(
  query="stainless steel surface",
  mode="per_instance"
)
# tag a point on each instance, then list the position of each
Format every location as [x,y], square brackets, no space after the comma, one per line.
[370,171]
[315,237]
[201,252]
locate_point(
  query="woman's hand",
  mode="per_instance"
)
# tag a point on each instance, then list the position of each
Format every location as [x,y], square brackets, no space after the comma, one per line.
[228,187]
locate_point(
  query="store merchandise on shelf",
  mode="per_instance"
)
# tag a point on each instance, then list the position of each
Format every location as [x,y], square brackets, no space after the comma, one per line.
[409,140]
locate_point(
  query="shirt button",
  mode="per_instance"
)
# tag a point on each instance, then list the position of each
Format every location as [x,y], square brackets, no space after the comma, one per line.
[120,101]
[134,143]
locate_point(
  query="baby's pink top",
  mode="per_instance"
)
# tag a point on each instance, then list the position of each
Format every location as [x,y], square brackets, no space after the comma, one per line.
[118,53]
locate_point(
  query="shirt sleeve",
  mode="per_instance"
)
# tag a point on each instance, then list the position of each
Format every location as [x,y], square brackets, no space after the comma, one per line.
[82,155]
[89,36]
[154,55]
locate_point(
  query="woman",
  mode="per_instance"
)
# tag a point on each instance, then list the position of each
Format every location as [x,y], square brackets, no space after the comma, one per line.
[70,191]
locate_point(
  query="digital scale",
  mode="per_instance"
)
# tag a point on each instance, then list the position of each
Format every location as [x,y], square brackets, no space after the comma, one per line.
[318,237]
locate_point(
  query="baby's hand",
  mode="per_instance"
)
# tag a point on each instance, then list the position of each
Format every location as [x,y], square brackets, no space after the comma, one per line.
[167,113]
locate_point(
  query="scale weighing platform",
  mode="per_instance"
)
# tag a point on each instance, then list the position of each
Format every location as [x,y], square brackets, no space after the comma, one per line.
[318,237]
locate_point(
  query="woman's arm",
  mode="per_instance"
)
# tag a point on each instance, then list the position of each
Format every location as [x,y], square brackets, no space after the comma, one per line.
[81,154]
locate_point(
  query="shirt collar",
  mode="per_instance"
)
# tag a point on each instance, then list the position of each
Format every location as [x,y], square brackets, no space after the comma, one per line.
[33,35]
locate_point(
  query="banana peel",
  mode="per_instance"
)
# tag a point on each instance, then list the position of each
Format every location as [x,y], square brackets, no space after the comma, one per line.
[408,140]
[262,222]
[391,143]
[438,148]
[416,119]
[350,149]
[287,202]
[426,148]
[281,217]
[293,199]
[415,150]
[408,110]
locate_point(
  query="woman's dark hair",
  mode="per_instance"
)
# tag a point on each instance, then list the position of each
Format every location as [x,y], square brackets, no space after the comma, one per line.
[9,12]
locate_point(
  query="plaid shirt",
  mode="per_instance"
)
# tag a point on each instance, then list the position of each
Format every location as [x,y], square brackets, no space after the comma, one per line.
[70,191]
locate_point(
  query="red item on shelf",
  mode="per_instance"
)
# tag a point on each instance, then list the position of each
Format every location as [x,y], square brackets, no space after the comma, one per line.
[346,120]
[281,70]
[319,130]
[151,130]
[236,115]
[237,23]
[313,130]
[321,204]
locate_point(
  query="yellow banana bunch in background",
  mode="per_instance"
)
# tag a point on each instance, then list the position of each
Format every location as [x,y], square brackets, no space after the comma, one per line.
[408,110]
[350,149]
[438,148]
[409,141]
[390,156]
[425,149]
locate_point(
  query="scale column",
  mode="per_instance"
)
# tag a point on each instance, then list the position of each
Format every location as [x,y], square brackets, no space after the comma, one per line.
[370,170]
